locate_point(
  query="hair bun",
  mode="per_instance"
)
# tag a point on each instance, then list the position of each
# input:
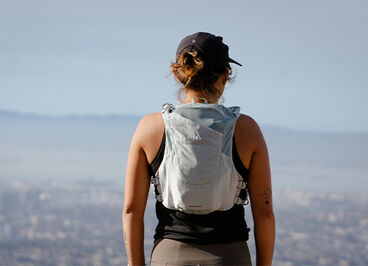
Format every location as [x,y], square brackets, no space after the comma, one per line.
[188,59]
[192,71]
[192,64]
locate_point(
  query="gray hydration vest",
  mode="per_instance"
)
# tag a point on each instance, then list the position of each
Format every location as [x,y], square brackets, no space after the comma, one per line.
[197,174]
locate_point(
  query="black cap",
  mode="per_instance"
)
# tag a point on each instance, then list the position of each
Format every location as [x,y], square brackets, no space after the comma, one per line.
[210,46]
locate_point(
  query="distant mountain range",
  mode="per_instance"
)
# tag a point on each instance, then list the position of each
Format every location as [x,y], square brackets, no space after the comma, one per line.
[10,114]
[107,138]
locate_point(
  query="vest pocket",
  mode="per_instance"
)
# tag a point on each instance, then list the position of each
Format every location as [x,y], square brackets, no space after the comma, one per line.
[197,151]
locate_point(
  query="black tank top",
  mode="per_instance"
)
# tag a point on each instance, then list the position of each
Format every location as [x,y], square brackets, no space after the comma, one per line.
[215,227]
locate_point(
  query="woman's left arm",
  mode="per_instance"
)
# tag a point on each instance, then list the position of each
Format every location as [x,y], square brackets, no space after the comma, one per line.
[135,198]
[260,192]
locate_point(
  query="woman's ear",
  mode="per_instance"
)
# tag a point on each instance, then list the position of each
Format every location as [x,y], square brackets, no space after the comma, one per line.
[225,77]
[227,74]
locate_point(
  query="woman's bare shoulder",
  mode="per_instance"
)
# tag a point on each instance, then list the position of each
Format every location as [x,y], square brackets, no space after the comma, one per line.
[246,125]
[152,121]
[149,132]
[247,137]
[150,126]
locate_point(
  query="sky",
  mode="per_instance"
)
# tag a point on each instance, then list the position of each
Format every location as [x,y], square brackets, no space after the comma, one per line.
[305,62]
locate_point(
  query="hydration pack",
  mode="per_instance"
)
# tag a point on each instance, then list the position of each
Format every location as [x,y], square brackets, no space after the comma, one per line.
[197,174]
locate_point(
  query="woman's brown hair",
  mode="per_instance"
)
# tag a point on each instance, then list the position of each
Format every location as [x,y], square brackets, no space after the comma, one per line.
[193,73]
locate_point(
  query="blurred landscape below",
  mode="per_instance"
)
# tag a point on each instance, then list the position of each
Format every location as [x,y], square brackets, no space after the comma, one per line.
[61,192]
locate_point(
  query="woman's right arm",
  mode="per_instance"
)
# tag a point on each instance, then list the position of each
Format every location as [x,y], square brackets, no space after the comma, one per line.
[135,197]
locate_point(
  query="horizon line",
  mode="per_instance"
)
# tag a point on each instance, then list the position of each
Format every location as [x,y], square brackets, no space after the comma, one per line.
[138,116]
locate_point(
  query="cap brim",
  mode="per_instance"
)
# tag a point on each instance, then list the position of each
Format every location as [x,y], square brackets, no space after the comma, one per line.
[233,61]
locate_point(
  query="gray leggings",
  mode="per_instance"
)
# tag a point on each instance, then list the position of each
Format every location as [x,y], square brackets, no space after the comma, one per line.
[172,252]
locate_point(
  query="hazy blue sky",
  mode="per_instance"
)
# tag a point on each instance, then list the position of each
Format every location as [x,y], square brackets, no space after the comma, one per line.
[306,62]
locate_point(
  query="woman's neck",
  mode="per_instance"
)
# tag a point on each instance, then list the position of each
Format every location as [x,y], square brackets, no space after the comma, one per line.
[194,97]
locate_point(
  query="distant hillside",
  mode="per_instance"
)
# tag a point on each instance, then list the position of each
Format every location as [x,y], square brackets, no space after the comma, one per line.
[334,149]
[70,131]
[100,142]
[8,114]
[285,145]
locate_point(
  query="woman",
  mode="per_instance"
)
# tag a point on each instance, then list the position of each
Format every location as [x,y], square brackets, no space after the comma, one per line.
[187,152]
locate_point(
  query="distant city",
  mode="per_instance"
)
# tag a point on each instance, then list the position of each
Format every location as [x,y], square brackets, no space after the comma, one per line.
[79,223]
